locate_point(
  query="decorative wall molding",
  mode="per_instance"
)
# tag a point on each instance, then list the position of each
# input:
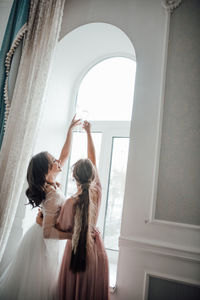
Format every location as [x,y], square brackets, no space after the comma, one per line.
[167,249]
[150,214]
[173,224]
[177,279]
[170,5]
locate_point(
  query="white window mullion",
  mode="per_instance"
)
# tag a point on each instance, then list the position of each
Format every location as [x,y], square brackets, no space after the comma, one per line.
[104,168]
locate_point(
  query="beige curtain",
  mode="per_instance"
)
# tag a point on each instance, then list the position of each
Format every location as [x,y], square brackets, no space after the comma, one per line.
[27,103]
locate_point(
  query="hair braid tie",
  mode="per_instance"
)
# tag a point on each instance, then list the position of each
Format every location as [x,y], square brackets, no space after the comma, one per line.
[85,186]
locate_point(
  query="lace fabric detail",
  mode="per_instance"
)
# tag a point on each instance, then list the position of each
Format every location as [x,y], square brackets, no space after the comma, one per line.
[51,209]
[53,202]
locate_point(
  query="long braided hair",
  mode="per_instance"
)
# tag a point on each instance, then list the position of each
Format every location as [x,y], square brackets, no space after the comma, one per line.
[84,173]
[38,168]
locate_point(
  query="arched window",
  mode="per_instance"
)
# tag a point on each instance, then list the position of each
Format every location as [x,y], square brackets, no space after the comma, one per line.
[105,98]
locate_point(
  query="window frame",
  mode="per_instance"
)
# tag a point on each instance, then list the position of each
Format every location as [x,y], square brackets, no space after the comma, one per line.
[109,130]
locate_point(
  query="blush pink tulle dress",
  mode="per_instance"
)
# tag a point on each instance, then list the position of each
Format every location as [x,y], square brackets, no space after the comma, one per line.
[93,284]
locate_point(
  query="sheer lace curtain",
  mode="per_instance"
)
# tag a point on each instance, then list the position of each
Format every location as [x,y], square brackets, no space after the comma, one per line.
[27,103]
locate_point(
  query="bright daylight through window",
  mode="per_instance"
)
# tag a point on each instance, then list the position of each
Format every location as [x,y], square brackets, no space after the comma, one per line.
[105,98]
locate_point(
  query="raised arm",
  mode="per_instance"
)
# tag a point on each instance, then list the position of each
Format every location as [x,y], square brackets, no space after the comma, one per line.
[67,145]
[90,144]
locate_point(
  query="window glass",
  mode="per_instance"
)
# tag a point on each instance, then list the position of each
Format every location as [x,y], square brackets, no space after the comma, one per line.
[106,91]
[78,151]
[113,259]
[116,192]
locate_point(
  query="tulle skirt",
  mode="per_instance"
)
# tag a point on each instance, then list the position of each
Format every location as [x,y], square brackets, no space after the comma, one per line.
[32,274]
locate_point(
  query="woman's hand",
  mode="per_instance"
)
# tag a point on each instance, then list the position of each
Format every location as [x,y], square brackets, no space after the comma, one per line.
[87,126]
[74,122]
[39,218]
[95,233]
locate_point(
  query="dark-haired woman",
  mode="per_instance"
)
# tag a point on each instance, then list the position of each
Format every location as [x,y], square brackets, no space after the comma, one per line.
[32,274]
[84,270]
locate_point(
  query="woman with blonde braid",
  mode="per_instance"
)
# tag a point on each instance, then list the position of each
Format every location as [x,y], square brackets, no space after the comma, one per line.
[84,270]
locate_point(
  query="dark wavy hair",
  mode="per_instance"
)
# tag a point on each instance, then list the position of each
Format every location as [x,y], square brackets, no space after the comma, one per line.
[38,168]
[84,173]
